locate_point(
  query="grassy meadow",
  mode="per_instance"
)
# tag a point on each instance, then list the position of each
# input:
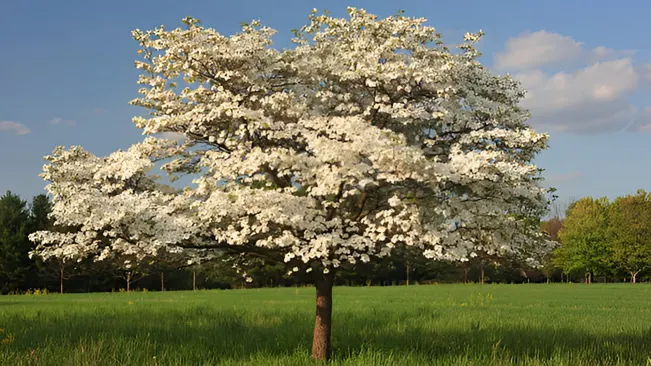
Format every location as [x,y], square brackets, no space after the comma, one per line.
[558,324]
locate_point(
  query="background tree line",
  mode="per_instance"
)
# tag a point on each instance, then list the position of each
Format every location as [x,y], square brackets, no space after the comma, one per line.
[602,239]
[599,239]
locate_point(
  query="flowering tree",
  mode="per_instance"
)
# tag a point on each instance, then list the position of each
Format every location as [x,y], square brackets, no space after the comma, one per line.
[367,134]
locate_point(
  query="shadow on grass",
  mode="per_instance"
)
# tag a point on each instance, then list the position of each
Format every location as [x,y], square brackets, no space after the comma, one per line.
[201,333]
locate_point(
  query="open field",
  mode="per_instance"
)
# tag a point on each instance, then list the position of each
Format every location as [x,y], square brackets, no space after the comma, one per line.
[557,324]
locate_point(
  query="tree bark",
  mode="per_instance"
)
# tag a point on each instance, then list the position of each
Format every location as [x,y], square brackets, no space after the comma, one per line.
[162,281]
[321,343]
[481,268]
[129,281]
[408,273]
[61,279]
[634,276]
[465,273]
[194,280]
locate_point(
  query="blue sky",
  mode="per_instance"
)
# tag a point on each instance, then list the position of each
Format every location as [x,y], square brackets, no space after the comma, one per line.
[66,75]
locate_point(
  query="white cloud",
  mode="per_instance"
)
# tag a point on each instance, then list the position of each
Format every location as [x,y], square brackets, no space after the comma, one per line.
[644,121]
[531,50]
[589,118]
[591,97]
[15,127]
[542,48]
[171,136]
[602,52]
[600,82]
[62,122]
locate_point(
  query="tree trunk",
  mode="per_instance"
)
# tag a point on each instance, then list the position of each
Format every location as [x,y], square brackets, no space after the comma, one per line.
[548,279]
[634,276]
[465,273]
[129,281]
[194,280]
[61,279]
[321,343]
[407,273]
[481,269]
[162,281]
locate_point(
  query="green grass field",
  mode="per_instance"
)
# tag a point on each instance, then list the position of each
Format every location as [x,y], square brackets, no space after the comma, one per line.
[557,324]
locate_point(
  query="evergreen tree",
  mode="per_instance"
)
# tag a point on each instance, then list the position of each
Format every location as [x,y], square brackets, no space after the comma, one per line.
[15,264]
[40,210]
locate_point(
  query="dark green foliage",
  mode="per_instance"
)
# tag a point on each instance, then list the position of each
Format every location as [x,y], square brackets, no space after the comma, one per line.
[15,264]
[40,211]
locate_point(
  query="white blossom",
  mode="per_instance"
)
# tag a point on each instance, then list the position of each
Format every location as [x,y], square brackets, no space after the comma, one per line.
[368,134]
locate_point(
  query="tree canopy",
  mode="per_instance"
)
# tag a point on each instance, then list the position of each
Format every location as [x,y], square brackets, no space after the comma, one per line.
[629,232]
[584,237]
